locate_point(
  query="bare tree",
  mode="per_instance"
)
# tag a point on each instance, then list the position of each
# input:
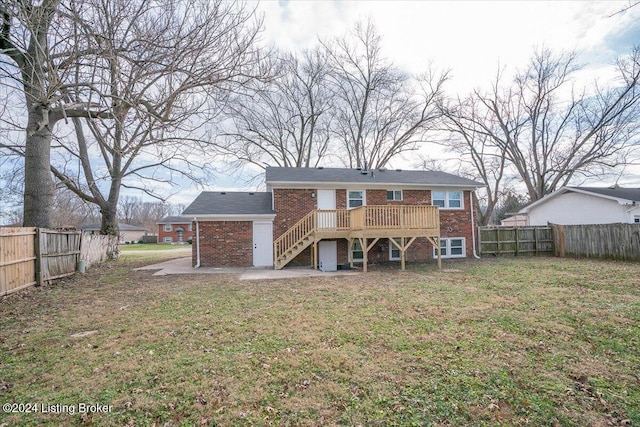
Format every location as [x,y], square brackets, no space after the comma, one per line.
[33,51]
[135,211]
[380,111]
[159,69]
[71,211]
[283,121]
[466,123]
[544,130]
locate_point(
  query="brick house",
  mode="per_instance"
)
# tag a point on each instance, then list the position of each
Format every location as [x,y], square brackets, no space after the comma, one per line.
[175,229]
[325,217]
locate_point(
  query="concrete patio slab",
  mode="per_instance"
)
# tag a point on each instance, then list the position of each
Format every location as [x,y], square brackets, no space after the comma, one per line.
[183,266]
[291,273]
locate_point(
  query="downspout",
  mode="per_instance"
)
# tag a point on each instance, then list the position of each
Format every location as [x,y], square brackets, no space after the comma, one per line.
[197,243]
[473,228]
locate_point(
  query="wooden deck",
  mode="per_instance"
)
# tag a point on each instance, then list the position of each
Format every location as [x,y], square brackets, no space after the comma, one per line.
[367,224]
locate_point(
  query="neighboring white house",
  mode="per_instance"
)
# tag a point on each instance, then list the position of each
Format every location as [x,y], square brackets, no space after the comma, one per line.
[128,233]
[585,205]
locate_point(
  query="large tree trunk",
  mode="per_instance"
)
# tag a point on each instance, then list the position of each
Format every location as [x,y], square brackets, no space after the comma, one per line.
[38,183]
[109,224]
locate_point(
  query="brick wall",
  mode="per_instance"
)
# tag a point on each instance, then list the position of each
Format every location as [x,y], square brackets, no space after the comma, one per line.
[291,205]
[174,234]
[225,244]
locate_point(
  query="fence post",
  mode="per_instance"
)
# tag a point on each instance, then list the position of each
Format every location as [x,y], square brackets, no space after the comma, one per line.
[559,231]
[38,253]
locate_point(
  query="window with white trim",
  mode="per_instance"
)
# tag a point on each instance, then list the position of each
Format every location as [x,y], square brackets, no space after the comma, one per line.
[394,252]
[168,227]
[357,254]
[394,195]
[447,199]
[355,198]
[636,219]
[168,240]
[452,247]
[190,226]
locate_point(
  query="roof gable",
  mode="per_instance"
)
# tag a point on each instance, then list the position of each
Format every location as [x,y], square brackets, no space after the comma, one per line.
[280,175]
[230,203]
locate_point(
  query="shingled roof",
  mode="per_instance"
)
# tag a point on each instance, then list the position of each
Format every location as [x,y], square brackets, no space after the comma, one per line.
[631,194]
[230,203]
[619,194]
[279,175]
[175,220]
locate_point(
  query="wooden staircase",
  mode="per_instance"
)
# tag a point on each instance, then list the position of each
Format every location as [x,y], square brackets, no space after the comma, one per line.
[294,240]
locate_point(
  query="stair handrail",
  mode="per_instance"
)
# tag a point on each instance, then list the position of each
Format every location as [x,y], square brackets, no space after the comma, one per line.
[295,234]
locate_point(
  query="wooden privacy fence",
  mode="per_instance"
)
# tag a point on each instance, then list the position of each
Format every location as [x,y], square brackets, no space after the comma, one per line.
[17,258]
[30,256]
[57,253]
[95,248]
[605,241]
[515,240]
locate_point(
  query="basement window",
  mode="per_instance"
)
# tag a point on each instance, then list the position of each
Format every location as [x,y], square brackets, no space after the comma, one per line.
[452,248]
[394,252]
[357,254]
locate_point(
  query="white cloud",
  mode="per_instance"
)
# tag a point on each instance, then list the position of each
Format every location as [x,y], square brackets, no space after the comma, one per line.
[471,38]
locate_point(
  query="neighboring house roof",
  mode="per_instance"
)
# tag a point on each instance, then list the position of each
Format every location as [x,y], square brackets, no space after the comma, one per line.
[231,203]
[122,227]
[624,196]
[174,220]
[279,175]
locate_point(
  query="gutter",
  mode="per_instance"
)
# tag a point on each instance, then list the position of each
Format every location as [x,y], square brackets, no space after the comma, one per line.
[198,243]
[473,228]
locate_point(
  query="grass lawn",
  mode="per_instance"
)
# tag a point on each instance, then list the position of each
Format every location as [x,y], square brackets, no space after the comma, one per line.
[152,247]
[533,341]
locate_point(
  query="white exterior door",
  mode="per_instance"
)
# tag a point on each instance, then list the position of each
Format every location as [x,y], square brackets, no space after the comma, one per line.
[262,244]
[328,255]
[326,200]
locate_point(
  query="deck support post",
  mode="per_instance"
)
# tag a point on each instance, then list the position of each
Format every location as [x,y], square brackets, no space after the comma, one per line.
[436,242]
[365,257]
[314,258]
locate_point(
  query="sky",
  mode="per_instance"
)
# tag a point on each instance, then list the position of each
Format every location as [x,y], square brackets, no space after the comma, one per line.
[471,39]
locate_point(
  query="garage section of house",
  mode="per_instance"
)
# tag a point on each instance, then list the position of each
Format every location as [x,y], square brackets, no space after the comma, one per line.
[233,229]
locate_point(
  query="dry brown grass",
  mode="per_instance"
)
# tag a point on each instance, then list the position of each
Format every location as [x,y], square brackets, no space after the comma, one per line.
[535,341]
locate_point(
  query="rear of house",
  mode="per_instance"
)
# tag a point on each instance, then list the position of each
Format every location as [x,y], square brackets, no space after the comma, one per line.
[239,229]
